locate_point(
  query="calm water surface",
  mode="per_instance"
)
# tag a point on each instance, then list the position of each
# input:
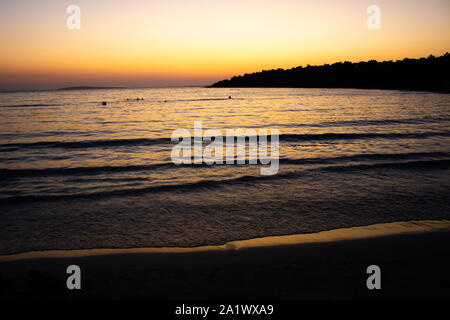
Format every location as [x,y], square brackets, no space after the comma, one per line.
[77,174]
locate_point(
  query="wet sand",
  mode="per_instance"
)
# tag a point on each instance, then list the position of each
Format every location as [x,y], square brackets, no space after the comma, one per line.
[414,258]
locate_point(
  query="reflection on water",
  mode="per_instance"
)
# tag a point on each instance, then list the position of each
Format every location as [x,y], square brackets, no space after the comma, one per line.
[77,174]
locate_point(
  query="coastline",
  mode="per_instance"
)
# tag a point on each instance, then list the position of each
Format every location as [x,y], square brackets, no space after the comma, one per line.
[341,234]
[412,90]
[414,262]
[406,74]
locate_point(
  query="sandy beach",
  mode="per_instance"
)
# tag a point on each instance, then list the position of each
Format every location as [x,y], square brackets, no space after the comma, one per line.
[413,257]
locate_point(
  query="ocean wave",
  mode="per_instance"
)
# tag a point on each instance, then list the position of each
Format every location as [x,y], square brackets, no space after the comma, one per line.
[154,141]
[357,136]
[100,170]
[213,183]
[87,143]
[30,105]
[367,157]
[357,123]
[408,165]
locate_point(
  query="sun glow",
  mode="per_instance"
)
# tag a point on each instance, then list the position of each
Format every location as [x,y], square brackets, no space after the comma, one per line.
[176,42]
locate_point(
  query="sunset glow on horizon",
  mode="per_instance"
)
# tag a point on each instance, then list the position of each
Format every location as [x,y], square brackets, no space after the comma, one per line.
[198,42]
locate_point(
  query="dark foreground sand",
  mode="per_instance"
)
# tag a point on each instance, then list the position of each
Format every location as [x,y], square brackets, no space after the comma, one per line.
[414,264]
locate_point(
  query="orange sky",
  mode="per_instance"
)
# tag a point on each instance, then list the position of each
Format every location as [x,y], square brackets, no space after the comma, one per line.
[181,42]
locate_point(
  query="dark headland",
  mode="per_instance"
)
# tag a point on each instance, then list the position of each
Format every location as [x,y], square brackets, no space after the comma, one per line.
[424,74]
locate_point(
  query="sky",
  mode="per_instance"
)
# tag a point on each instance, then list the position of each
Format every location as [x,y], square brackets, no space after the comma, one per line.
[145,43]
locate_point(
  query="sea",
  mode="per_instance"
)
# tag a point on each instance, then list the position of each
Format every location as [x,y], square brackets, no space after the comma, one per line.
[78,174]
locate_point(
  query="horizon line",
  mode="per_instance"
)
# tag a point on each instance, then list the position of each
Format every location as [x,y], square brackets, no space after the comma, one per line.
[87,87]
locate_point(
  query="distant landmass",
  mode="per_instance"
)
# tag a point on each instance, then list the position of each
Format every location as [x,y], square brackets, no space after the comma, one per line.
[89,88]
[424,74]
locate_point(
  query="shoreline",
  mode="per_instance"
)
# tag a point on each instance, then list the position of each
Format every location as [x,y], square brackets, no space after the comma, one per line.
[425,91]
[334,235]
[414,264]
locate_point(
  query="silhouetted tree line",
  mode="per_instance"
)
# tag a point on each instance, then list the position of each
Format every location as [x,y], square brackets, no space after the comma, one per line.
[428,74]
